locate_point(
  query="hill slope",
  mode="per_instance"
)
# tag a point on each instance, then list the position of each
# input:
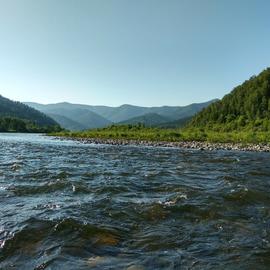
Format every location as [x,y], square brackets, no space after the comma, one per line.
[72,117]
[176,123]
[126,111]
[246,107]
[66,122]
[149,120]
[9,108]
[16,116]
[86,118]
[103,116]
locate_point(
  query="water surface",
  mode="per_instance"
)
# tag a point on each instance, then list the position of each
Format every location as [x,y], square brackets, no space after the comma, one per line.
[66,205]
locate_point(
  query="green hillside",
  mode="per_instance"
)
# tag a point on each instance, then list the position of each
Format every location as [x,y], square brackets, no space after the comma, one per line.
[16,116]
[180,123]
[149,120]
[247,107]
[243,116]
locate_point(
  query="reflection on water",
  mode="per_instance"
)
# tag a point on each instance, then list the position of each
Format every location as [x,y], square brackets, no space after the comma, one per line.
[65,205]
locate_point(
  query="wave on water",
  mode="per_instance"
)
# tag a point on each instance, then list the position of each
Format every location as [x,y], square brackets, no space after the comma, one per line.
[67,205]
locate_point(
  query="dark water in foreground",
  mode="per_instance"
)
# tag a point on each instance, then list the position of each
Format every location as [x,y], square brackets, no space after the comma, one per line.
[66,205]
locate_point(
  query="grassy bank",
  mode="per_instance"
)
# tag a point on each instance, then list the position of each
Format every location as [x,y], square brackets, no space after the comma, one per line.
[139,132]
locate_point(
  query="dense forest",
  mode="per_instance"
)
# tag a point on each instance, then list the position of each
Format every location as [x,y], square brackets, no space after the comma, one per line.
[11,124]
[15,116]
[247,107]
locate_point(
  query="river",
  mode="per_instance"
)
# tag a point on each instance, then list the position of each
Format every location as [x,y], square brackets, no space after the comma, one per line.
[67,205]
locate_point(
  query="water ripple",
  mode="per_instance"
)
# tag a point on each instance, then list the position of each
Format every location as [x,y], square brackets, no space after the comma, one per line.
[66,205]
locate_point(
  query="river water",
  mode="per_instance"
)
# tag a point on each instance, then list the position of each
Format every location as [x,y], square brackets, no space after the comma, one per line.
[67,205]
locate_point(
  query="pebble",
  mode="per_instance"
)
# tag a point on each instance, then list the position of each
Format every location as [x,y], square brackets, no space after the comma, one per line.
[188,145]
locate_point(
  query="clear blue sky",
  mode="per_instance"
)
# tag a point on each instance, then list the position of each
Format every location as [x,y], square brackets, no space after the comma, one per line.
[142,52]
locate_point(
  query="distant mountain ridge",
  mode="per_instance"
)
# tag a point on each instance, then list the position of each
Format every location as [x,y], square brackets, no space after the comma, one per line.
[126,111]
[88,116]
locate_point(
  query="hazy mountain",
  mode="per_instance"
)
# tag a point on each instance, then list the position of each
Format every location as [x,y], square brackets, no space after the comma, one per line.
[71,116]
[149,119]
[125,112]
[89,116]
[247,106]
[187,111]
[67,122]
[86,118]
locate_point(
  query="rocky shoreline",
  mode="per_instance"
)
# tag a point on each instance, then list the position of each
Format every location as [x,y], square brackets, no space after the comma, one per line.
[185,144]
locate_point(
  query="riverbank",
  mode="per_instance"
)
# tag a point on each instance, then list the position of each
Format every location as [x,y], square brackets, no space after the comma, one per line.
[181,144]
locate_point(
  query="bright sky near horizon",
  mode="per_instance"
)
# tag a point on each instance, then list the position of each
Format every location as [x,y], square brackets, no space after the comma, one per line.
[141,52]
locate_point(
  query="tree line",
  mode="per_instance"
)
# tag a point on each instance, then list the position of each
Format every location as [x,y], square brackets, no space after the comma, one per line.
[246,107]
